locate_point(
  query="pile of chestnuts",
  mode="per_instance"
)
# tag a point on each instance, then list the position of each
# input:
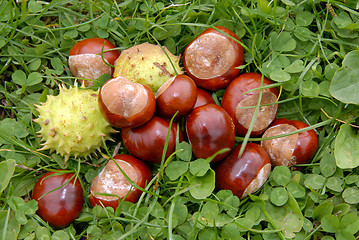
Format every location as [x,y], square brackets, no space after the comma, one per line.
[211,62]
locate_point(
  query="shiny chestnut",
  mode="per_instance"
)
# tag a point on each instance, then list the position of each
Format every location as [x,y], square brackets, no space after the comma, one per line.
[239,101]
[85,60]
[147,141]
[110,185]
[203,98]
[210,129]
[212,59]
[60,198]
[244,174]
[178,94]
[126,104]
[298,148]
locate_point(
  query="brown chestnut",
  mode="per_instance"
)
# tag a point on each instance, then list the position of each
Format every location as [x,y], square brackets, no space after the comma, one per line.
[147,141]
[85,60]
[236,103]
[126,104]
[212,59]
[203,98]
[209,129]
[60,198]
[298,148]
[110,185]
[246,173]
[178,94]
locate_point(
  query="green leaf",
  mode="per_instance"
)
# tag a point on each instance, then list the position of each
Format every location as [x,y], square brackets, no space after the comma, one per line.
[22,184]
[295,189]
[57,65]
[295,67]
[304,18]
[175,169]
[341,209]
[346,151]
[19,77]
[314,181]
[164,33]
[342,20]
[279,75]
[186,151]
[351,195]
[282,42]
[34,65]
[13,227]
[206,234]
[281,175]
[350,223]
[344,235]
[330,223]
[335,184]
[210,211]
[202,187]
[7,169]
[158,211]
[279,196]
[328,165]
[310,88]
[324,209]
[345,82]
[34,6]
[181,212]
[199,167]
[60,235]
[287,217]
[34,78]
[43,233]
[230,231]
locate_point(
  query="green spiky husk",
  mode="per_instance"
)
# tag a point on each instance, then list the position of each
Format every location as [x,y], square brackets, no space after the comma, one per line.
[72,124]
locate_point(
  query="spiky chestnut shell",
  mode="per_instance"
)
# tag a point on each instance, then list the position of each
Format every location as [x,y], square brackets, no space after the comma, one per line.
[71,123]
[147,64]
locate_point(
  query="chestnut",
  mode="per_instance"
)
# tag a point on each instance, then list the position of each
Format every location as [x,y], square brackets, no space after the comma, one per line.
[147,141]
[110,185]
[126,104]
[298,148]
[178,94]
[212,59]
[60,198]
[203,98]
[234,102]
[85,60]
[246,173]
[209,129]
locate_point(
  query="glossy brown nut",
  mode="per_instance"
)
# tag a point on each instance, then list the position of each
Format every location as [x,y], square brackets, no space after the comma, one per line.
[233,102]
[178,94]
[126,104]
[212,58]
[112,181]
[61,206]
[291,150]
[203,98]
[85,60]
[244,174]
[147,141]
[209,129]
